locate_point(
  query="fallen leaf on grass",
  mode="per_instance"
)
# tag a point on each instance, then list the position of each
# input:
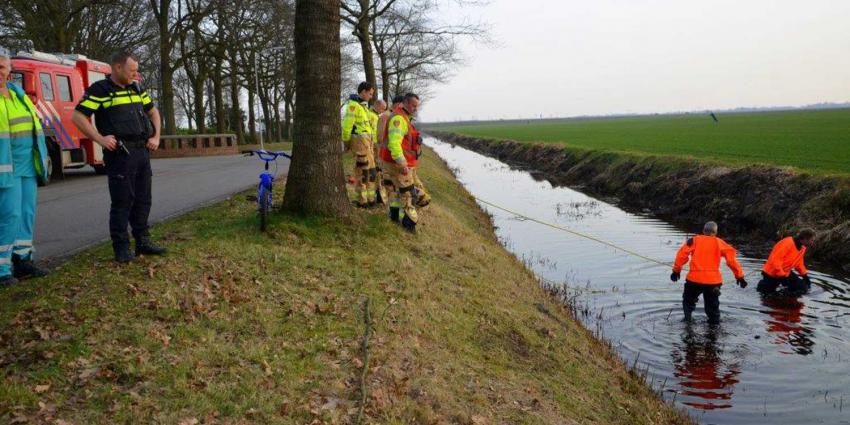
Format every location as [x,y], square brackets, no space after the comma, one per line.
[189,421]
[40,389]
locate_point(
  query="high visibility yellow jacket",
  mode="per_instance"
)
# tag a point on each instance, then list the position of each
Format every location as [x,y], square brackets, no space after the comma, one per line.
[373,119]
[402,142]
[20,132]
[356,119]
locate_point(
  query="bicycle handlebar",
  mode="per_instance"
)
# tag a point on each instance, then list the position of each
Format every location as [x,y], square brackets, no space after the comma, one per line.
[267,156]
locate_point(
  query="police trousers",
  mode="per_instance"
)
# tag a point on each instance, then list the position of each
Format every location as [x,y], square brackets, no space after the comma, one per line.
[130,192]
[17,219]
[365,172]
[710,297]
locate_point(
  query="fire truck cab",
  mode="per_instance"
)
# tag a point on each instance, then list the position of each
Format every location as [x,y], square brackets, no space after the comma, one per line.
[55,83]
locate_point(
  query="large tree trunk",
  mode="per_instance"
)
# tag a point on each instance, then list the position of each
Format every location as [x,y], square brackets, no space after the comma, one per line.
[234,99]
[288,96]
[200,102]
[166,71]
[236,123]
[365,39]
[385,78]
[267,118]
[218,92]
[316,183]
[252,123]
[276,112]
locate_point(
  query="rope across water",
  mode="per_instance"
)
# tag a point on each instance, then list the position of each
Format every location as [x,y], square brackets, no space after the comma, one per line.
[582,235]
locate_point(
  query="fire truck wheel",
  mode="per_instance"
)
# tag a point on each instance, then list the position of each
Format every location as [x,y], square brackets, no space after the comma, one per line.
[54,161]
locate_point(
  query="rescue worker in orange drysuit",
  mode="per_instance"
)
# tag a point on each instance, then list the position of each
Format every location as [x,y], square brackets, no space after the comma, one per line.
[704,253]
[785,258]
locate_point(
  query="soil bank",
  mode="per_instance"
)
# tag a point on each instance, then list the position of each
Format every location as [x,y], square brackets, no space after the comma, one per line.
[754,205]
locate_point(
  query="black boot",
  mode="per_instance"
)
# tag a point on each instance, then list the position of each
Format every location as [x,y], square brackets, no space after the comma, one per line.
[144,246]
[8,280]
[122,253]
[27,268]
[394,213]
[408,224]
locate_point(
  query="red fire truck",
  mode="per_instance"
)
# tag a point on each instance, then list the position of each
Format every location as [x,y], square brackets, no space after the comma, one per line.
[55,83]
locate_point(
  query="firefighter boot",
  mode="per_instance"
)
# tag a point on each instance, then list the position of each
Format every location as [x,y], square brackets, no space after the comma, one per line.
[27,268]
[394,213]
[408,224]
[144,246]
[122,252]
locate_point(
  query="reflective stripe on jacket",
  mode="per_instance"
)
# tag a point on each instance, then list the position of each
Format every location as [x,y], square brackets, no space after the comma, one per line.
[401,139]
[21,129]
[785,257]
[704,253]
[356,119]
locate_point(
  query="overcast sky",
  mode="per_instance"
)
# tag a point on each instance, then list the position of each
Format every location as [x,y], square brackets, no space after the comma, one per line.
[592,57]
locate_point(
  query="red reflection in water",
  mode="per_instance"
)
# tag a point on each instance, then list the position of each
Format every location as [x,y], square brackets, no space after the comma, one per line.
[701,370]
[785,321]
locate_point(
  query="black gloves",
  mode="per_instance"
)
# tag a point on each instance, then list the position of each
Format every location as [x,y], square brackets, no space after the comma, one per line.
[807,280]
[675,276]
[742,282]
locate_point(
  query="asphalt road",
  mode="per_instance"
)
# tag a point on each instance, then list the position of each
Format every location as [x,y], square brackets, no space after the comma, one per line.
[73,214]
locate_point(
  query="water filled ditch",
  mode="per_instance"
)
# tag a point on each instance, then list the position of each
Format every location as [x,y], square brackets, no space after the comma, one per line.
[777,360]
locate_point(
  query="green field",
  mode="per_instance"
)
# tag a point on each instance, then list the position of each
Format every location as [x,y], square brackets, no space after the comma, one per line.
[813,141]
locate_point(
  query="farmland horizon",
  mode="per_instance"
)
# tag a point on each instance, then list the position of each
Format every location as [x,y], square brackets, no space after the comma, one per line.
[823,106]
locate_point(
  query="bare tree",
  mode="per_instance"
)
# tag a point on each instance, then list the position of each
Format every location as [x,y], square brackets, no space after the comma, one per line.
[171,18]
[415,50]
[360,14]
[95,28]
[316,183]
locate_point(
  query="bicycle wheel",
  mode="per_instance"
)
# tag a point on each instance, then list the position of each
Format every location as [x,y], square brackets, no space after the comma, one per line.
[264,204]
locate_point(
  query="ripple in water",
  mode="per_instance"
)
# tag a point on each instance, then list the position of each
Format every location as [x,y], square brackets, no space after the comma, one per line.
[776,359]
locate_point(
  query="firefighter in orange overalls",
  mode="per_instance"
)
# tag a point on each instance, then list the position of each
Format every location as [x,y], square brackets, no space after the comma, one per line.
[785,258]
[704,278]
[400,151]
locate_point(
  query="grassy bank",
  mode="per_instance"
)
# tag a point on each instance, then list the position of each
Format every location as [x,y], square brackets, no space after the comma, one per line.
[753,204]
[813,141]
[240,327]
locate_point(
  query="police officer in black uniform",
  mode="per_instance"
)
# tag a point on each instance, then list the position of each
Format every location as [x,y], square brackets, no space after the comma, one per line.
[128,129]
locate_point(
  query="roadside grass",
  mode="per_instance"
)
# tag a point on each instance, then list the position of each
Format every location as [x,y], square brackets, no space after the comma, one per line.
[816,142]
[236,327]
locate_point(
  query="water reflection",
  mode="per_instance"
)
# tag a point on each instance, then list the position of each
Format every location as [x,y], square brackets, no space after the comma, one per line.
[748,371]
[785,322]
[702,371]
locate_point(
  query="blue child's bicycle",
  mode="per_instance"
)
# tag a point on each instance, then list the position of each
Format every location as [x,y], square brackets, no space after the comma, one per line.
[264,190]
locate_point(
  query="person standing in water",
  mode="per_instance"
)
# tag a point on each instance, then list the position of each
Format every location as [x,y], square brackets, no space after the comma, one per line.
[704,253]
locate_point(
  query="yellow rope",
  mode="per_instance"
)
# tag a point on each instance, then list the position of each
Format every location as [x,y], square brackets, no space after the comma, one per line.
[580,234]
